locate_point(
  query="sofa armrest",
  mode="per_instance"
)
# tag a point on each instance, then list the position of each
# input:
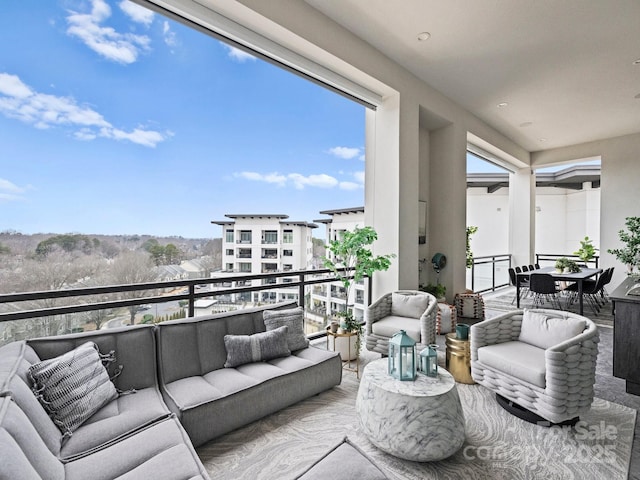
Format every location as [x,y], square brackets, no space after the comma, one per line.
[378,310]
[428,322]
[500,329]
[571,365]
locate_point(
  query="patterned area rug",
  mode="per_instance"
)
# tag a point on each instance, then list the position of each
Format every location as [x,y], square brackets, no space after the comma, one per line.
[503,303]
[498,445]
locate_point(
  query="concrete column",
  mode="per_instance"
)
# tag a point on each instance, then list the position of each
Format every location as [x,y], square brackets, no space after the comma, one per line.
[522,197]
[447,204]
[391,191]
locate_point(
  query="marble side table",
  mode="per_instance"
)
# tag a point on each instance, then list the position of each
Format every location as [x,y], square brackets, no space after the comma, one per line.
[420,421]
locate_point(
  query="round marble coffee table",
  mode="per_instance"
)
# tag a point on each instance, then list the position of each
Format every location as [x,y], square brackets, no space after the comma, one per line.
[420,421]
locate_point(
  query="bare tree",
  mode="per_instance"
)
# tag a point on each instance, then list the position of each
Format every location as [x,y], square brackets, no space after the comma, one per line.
[133,267]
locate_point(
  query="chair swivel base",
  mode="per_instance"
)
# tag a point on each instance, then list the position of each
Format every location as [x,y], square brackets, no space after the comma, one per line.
[528,416]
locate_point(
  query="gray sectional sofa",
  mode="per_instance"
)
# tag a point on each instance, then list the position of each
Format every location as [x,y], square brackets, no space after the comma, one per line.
[174,393]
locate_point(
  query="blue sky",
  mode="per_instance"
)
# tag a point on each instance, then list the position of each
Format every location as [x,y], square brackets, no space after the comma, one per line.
[117,120]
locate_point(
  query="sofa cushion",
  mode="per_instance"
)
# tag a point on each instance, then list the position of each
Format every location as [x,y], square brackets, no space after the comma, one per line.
[23,454]
[545,331]
[518,359]
[258,347]
[162,451]
[116,420]
[345,461]
[392,324]
[293,318]
[73,386]
[406,304]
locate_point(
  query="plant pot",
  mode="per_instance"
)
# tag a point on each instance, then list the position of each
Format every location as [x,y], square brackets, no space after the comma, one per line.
[342,346]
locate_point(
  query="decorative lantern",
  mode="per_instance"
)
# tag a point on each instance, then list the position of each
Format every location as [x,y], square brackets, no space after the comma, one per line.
[402,356]
[429,361]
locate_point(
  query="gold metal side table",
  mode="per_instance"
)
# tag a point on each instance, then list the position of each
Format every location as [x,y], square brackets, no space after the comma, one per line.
[458,358]
[349,355]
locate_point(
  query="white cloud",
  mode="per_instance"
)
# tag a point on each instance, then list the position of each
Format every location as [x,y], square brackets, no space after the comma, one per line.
[297,180]
[10,192]
[137,13]
[106,41]
[350,186]
[359,176]
[169,35]
[274,177]
[238,55]
[345,152]
[19,101]
[321,181]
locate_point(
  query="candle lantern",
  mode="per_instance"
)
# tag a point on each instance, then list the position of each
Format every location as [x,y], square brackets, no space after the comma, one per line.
[429,361]
[402,356]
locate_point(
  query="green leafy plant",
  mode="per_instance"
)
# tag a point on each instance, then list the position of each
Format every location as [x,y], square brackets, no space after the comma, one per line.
[630,253]
[470,231]
[438,290]
[586,251]
[563,264]
[350,260]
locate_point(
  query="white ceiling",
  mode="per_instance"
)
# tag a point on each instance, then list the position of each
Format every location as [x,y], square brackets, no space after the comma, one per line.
[565,67]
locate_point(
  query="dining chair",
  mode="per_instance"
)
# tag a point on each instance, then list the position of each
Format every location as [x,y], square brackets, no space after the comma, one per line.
[544,288]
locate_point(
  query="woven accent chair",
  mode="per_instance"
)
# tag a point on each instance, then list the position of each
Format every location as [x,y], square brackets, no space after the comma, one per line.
[541,360]
[409,310]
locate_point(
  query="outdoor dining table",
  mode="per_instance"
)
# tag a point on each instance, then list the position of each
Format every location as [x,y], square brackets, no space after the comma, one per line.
[577,277]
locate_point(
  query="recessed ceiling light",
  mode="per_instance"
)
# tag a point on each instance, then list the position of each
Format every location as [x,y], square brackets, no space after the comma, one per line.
[636,62]
[424,36]
[542,139]
[503,104]
[526,124]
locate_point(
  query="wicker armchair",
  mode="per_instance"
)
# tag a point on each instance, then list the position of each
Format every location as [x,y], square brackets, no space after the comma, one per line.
[541,360]
[409,310]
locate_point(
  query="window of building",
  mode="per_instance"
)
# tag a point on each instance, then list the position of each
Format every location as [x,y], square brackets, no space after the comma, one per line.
[228,236]
[287,236]
[244,253]
[269,267]
[287,253]
[244,267]
[359,297]
[270,253]
[287,266]
[245,236]
[229,251]
[229,267]
[269,236]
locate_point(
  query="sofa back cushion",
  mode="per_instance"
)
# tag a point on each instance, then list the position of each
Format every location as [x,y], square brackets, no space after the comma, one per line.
[134,349]
[195,346]
[543,330]
[24,454]
[409,304]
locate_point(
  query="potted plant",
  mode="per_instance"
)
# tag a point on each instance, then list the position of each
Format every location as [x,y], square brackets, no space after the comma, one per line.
[561,263]
[587,251]
[571,267]
[350,260]
[630,253]
[438,290]
[470,231]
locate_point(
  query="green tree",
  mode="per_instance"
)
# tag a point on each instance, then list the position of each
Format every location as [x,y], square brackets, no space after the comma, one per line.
[172,254]
[351,260]
[630,253]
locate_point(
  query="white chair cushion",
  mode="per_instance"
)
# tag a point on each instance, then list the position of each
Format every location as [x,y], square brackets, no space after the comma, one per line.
[408,304]
[544,331]
[392,324]
[518,359]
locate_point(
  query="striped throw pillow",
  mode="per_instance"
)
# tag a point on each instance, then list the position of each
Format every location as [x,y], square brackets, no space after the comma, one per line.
[73,386]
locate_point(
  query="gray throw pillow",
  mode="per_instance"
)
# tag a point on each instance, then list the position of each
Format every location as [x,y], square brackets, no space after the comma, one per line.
[73,386]
[292,318]
[258,347]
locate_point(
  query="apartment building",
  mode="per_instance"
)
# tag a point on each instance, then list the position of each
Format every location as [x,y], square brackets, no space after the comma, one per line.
[264,243]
